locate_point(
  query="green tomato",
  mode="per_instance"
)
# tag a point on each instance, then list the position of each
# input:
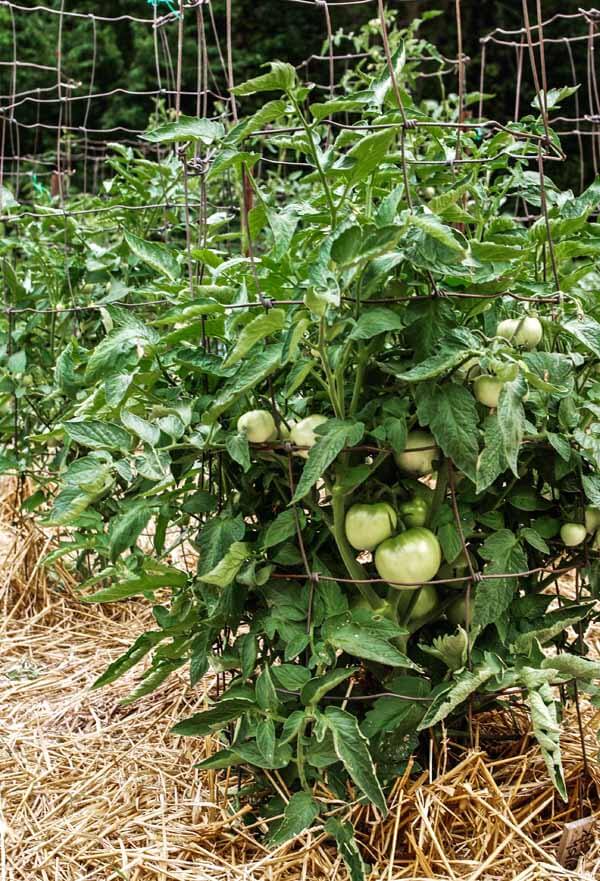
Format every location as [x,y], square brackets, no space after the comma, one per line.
[425,453]
[426,602]
[573,534]
[592,518]
[527,332]
[368,525]
[487,390]
[415,512]
[303,433]
[257,425]
[457,611]
[359,603]
[412,557]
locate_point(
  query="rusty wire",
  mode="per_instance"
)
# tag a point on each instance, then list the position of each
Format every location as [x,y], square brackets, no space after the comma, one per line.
[530,42]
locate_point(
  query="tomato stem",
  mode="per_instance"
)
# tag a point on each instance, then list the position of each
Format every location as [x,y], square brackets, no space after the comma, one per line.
[315,156]
[363,359]
[439,496]
[333,394]
[300,755]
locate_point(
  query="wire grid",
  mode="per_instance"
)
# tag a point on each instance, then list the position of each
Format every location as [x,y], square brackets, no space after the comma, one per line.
[530,44]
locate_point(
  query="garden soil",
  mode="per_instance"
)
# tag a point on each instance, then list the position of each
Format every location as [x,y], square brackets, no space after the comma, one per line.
[90,789]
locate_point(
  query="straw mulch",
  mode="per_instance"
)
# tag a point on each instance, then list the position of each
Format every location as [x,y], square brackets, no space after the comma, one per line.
[91,790]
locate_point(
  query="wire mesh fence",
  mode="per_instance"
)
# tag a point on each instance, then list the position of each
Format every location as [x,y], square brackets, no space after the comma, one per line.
[35,184]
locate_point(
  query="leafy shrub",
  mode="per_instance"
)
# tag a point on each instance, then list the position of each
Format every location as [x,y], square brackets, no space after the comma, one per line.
[378,309]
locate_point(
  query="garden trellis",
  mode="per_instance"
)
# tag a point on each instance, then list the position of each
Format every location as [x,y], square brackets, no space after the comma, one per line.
[186,217]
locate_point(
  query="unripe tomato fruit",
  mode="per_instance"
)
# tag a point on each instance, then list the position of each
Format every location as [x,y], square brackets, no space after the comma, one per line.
[368,525]
[409,558]
[359,603]
[415,512]
[592,518]
[303,433]
[425,453]
[457,611]
[527,332]
[487,390]
[426,602]
[257,425]
[573,534]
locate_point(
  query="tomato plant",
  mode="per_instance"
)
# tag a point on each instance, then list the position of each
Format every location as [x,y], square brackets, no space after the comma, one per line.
[308,390]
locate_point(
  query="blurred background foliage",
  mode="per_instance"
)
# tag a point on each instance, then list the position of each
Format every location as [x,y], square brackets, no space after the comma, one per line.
[262,30]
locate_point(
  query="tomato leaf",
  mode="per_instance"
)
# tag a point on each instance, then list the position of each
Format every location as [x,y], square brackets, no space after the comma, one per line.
[239,449]
[494,595]
[435,366]
[511,420]
[251,373]
[205,723]
[364,642]
[227,568]
[134,586]
[463,685]
[283,527]
[343,833]
[157,256]
[127,528]
[352,749]
[585,331]
[334,435]
[186,128]
[314,690]
[140,648]
[451,413]
[281,78]
[375,321]
[544,720]
[259,328]
[492,459]
[98,435]
[215,538]
[300,812]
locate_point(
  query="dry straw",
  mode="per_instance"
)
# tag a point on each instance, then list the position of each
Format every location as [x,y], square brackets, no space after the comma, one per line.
[92,790]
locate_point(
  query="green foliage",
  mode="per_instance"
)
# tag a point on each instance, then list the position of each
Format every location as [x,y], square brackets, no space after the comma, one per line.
[134,398]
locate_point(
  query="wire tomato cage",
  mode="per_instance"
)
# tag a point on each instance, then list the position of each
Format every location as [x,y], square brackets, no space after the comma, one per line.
[66,112]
